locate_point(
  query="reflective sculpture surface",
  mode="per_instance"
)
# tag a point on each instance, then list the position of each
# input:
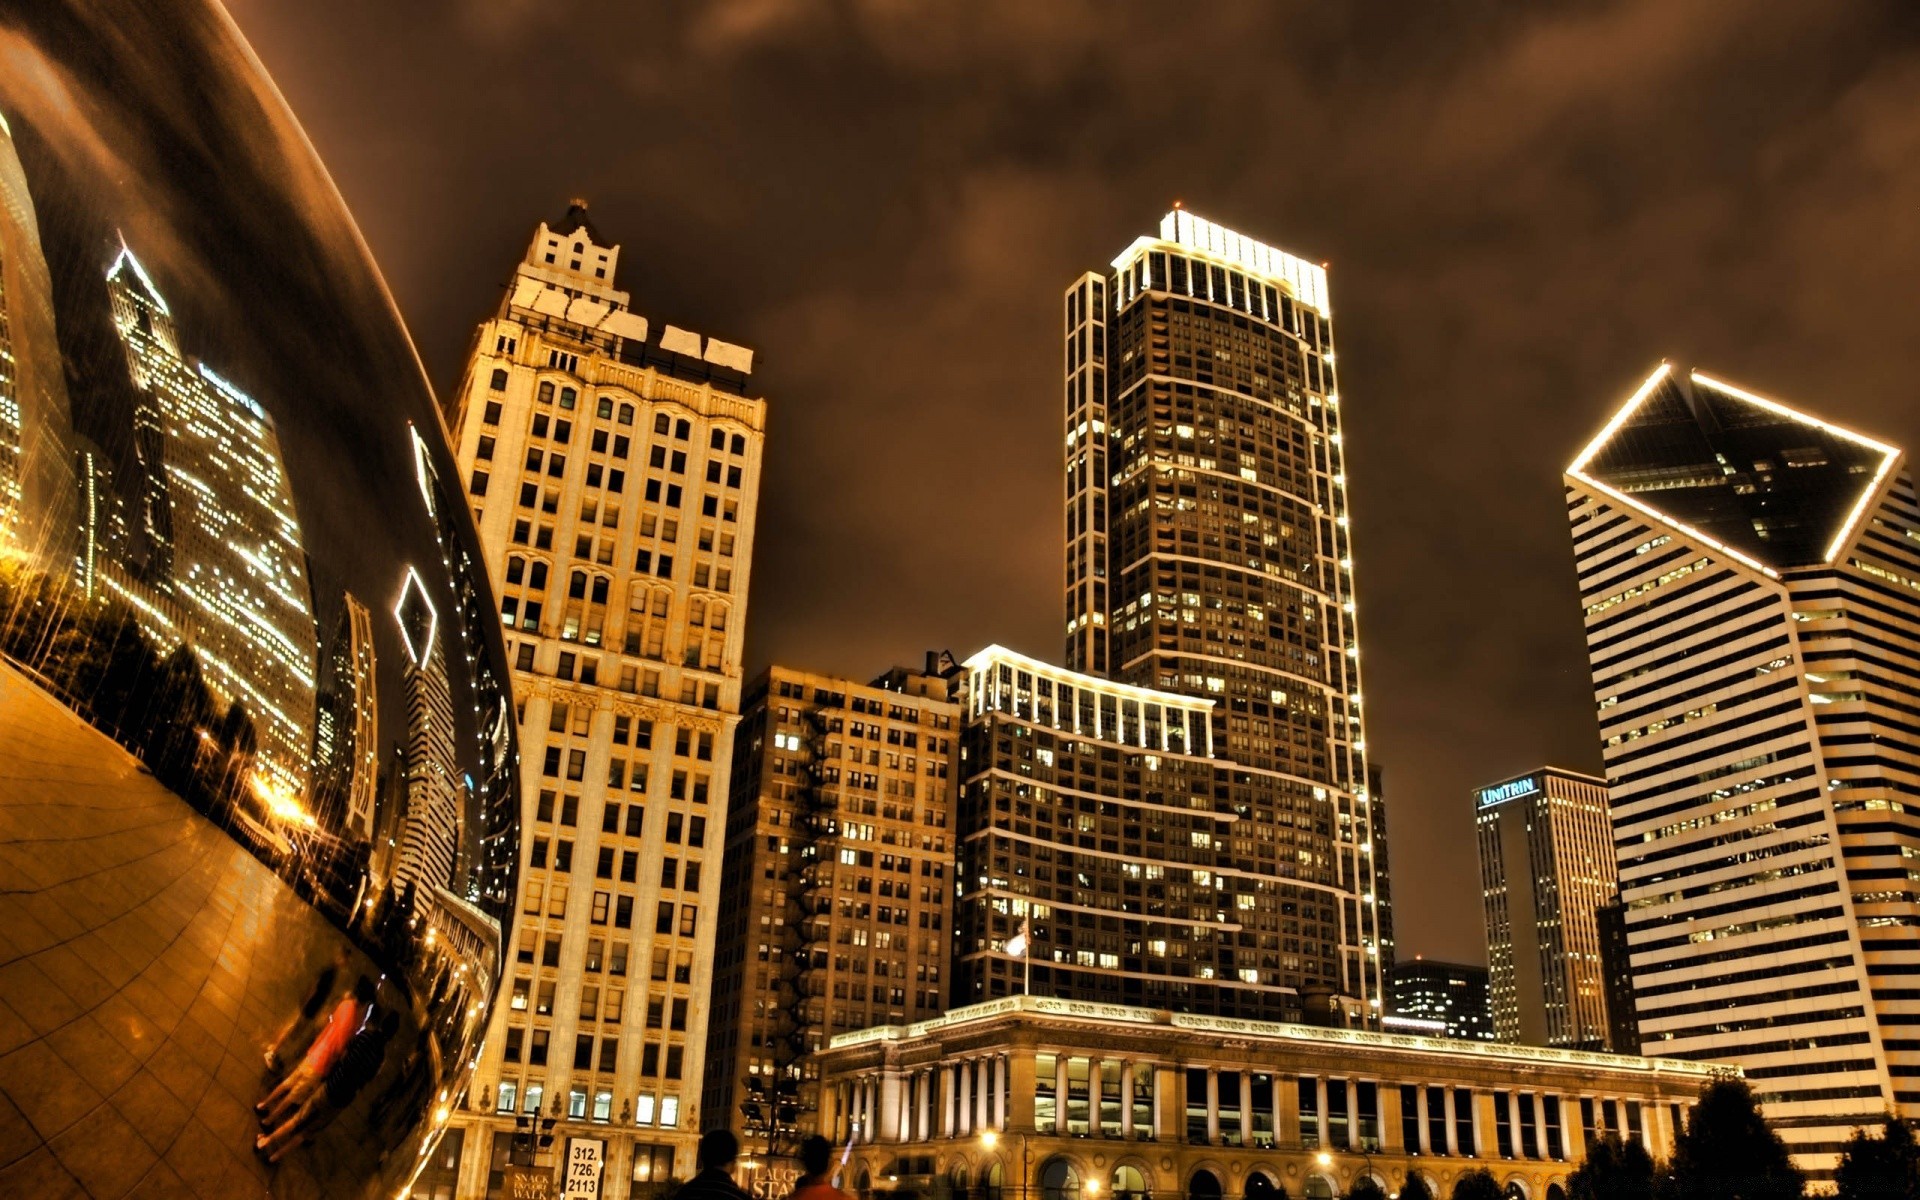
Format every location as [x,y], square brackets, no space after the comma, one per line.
[257,813]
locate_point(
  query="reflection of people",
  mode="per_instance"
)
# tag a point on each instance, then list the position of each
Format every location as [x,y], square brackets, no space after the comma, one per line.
[365,1053]
[307,1077]
[301,1027]
[816,1156]
[718,1149]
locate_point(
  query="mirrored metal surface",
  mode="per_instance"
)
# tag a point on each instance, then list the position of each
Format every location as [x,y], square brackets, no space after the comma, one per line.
[256,799]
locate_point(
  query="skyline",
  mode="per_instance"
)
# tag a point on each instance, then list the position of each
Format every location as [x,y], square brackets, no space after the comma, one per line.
[950,298]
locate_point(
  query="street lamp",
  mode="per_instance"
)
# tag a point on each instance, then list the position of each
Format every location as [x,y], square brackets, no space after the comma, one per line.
[991,1138]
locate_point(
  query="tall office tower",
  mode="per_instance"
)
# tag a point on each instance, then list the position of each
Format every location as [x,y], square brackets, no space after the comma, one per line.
[1382,874]
[1751,582]
[838,860]
[226,565]
[1208,553]
[1546,868]
[612,465]
[1092,834]
[346,756]
[37,443]
[430,829]
[1616,968]
[1440,999]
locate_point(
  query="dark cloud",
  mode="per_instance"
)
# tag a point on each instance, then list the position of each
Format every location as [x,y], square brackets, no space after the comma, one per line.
[1524,205]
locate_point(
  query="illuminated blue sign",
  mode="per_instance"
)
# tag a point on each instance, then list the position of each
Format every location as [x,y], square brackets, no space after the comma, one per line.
[1500,793]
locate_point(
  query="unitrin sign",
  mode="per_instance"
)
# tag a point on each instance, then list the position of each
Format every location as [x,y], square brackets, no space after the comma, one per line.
[1513,789]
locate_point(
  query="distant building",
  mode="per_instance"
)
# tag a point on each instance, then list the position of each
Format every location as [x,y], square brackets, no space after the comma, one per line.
[1028,1096]
[1546,867]
[225,567]
[1750,583]
[1440,998]
[1382,870]
[37,441]
[839,863]
[346,754]
[1616,968]
[431,828]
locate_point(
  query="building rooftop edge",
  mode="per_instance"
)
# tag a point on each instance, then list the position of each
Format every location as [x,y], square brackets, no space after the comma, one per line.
[1273,1031]
[1544,769]
[1096,683]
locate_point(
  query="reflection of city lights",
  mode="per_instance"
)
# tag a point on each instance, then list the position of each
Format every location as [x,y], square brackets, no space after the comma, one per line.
[281,805]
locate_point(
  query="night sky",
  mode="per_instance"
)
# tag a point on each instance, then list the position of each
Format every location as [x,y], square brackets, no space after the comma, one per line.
[1525,207]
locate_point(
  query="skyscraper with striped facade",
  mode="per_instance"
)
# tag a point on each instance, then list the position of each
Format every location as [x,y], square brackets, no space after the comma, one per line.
[1750,578]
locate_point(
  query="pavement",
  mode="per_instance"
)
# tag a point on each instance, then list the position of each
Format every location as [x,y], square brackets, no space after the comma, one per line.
[145,961]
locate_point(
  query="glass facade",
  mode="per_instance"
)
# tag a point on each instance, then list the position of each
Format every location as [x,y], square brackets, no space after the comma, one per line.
[256,744]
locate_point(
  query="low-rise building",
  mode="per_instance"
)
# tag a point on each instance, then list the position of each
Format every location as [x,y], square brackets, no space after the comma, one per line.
[1075,1099]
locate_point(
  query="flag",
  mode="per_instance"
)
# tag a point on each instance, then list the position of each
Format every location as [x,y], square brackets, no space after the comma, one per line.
[1017,944]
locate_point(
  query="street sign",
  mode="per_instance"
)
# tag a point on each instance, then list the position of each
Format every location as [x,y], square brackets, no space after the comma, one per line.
[527,1183]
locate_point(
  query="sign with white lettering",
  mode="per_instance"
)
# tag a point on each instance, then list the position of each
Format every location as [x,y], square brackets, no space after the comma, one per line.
[1500,793]
[527,1183]
[581,1177]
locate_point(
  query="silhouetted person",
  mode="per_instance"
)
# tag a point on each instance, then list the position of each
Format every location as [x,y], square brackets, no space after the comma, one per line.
[718,1149]
[366,1052]
[306,1078]
[300,1028]
[816,1158]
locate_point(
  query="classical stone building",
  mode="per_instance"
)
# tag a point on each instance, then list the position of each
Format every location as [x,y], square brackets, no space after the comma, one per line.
[612,465]
[1074,1100]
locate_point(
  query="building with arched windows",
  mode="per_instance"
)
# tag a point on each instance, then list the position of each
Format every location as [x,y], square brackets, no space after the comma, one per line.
[1031,1098]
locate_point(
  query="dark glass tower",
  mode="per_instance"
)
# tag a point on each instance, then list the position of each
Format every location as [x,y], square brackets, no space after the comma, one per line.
[1208,554]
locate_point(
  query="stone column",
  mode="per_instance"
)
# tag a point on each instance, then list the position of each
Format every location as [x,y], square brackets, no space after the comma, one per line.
[1320,1110]
[944,1074]
[1286,1110]
[1453,1127]
[1213,1107]
[999,1075]
[965,1069]
[1246,1107]
[982,1098]
[890,1106]
[1020,1084]
[1392,1136]
[1169,1104]
[1093,1097]
[1060,1095]
[1540,1126]
[1126,1098]
[1353,1115]
[1423,1117]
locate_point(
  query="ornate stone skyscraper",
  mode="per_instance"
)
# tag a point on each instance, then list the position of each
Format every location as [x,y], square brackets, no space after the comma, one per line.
[612,464]
[1750,579]
[1208,553]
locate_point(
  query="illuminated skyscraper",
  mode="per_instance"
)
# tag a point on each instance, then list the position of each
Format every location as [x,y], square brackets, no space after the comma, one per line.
[1546,870]
[430,829]
[1208,553]
[226,570]
[1750,577]
[346,756]
[612,465]
[36,431]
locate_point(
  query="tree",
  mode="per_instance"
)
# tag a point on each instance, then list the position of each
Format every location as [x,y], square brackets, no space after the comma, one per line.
[1613,1170]
[1365,1188]
[1477,1184]
[1415,1188]
[1880,1168]
[1728,1153]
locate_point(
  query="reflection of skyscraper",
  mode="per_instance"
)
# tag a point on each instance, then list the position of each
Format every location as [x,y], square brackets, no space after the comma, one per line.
[226,570]
[36,485]
[346,757]
[430,830]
